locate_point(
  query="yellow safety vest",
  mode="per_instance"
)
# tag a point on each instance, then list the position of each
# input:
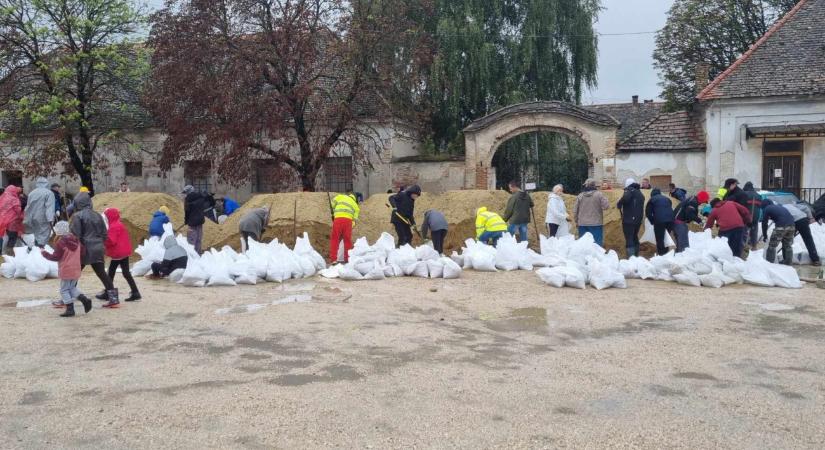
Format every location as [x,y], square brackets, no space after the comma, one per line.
[346,207]
[488,221]
[721,193]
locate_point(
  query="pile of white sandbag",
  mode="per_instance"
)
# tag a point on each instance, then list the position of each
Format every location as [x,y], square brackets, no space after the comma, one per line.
[28,264]
[272,262]
[382,260]
[708,262]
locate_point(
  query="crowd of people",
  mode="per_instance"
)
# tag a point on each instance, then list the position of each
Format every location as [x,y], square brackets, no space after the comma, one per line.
[82,237]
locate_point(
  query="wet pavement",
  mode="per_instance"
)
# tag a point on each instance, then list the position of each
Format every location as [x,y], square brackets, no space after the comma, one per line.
[490,360]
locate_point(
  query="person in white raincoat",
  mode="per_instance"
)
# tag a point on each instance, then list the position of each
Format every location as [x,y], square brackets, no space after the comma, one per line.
[39,213]
[557,213]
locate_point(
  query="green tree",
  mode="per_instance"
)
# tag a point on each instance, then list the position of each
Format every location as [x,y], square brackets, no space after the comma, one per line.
[714,32]
[70,69]
[494,53]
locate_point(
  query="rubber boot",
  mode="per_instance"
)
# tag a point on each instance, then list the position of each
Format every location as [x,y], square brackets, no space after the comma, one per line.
[69,311]
[133,297]
[113,300]
[87,303]
[103,295]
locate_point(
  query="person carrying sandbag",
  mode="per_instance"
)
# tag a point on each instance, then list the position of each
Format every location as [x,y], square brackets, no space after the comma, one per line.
[731,217]
[686,212]
[659,211]
[39,214]
[490,227]
[784,231]
[436,224]
[345,211]
[253,224]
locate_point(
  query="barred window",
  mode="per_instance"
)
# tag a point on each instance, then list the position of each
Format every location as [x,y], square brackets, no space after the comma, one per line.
[198,174]
[338,174]
[133,168]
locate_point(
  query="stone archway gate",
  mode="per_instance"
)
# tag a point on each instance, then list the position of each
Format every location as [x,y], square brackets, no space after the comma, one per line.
[484,136]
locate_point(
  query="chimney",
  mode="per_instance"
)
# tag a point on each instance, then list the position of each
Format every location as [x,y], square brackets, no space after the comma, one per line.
[702,76]
[635,99]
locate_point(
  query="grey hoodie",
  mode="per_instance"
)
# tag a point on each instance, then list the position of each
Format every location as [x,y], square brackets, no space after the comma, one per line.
[254,222]
[433,221]
[173,250]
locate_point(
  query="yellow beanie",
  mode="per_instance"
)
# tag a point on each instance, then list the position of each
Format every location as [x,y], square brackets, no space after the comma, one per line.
[164,209]
[84,189]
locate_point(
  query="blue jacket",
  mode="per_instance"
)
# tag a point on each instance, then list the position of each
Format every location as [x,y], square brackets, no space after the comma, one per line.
[156,225]
[659,208]
[230,206]
[781,217]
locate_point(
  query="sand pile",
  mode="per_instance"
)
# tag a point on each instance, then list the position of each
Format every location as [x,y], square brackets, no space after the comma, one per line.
[310,208]
[136,210]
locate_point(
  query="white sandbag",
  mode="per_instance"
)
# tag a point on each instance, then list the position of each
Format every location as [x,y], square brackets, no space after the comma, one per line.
[628,268]
[784,276]
[483,262]
[426,253]
[141,268]
[303,247]
[418,269]
[603,276]
[552,276]
[458,259]
[435,267]
[330,273]
[402,257]
[451,269]
[7,268]
[377,273]
[37,267]
[511,254]
[176,275]
[349,274]
[688,278]
[221,278]
[194,275]
[714,279]
[573,277]
[307,266]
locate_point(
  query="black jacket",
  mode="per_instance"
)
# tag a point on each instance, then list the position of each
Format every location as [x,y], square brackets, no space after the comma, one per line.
[754,205]
[194,205]
[819,208]
[688,211]
[737,195]
[659,208]
[405,206]
[168,266]
[632,205]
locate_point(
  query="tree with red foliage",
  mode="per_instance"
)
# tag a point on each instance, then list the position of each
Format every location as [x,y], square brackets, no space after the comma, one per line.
[289,81]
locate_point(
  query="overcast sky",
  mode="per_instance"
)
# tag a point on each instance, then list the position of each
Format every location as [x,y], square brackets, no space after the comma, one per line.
[625,62]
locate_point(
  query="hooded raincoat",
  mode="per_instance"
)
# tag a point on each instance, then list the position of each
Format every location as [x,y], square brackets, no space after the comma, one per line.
[118,245]
[89,227]
[557,214]
[11,213]
[39,212]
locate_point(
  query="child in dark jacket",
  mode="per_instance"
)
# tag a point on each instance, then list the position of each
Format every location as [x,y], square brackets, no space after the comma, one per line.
[119,248]
[67,255]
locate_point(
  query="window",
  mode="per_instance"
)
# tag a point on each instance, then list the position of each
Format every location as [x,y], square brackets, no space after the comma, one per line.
[133,169]
[338,174]
[198,174]
[14,177]
[266,176]
[661,182]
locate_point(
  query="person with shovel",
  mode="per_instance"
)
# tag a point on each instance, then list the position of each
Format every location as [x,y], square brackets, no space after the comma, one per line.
[253,224]
[403,209]
[517,212]
[345,211]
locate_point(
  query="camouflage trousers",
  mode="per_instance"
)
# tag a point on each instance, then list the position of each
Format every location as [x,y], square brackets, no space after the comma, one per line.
[784,235]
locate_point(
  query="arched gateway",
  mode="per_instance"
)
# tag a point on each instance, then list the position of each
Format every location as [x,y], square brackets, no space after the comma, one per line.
[485,135]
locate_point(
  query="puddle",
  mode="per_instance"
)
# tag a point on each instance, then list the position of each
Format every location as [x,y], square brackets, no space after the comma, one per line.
[243,309]
[771,306]
[33,303]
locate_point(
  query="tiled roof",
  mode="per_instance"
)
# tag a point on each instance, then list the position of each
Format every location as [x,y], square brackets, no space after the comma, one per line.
[788,60]
[802,129]
[631,116]
[676,131]
[550,106]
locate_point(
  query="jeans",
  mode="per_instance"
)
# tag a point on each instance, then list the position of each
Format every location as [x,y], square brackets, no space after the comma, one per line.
[553,228]
[804,229]
[659,231]
[341,230]
[682,232]
[734,240]
[124,268]
[195,237]
[596,231]
[69,291]
[438,240]
[488,236]
[631,238]
[521,228]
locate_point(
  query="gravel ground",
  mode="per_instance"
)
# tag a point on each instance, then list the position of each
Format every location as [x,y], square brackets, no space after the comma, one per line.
[488,361]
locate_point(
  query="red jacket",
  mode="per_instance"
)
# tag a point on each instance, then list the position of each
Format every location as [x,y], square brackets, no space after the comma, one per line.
[730,215]
[118,245]
[67,255]
[11,213]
